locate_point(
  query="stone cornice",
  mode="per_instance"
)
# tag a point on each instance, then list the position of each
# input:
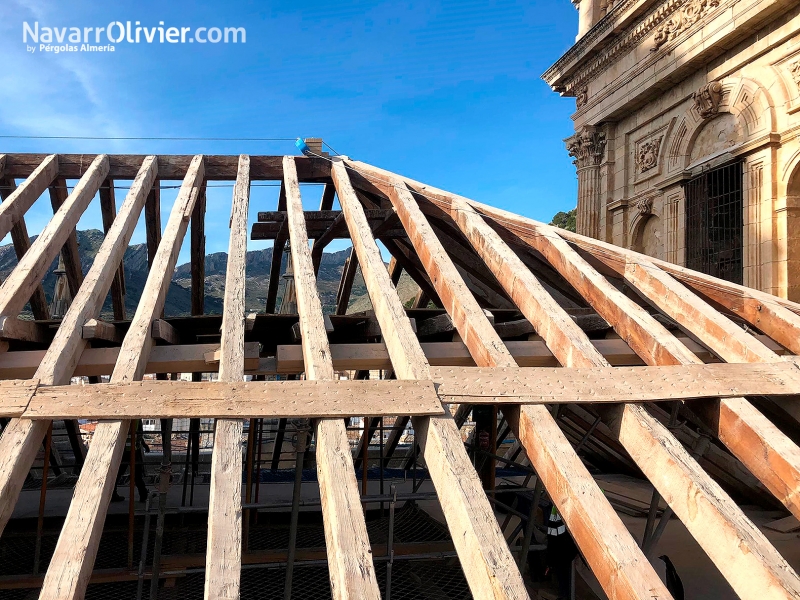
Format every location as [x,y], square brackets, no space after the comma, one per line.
[588,40]
[640,29]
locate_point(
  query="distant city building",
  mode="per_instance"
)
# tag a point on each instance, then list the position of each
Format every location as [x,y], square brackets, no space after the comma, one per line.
[686,133]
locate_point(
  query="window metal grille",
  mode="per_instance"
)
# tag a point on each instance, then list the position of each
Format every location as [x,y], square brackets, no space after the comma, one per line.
[715,222]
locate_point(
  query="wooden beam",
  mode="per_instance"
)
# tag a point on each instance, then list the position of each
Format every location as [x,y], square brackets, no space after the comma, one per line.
[59,194]
[174,166]
[744,556]
[587,320]
[16,395]
[612,553]
[162,331]
[549,385]
[152,221]
[435,325]
[77,545]
[777,317]
[338,225]
[411,265]
[251,359]
[346,283]
[485,558]
[13,328]
[94,362]
[328,195]
[395,271]
[715,521]
[95,329]
[22,243]
[22,438]
[21,199]
[767,452]
[318,247]
[189,358]
[277,256]
[221,400]
[108,207]
[198,254]
[526,354]
[224,548]
[31,269]
[352,573]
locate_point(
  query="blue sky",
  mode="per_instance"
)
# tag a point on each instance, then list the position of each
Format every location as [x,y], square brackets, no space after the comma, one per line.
[445,92]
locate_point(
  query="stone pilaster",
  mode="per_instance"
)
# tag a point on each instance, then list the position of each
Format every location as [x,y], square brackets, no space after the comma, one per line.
[587,147]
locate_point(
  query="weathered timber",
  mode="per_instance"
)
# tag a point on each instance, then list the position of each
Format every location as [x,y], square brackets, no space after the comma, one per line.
[482,550]
[352,573]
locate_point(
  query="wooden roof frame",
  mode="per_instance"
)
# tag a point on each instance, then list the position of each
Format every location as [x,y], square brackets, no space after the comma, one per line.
[465,256]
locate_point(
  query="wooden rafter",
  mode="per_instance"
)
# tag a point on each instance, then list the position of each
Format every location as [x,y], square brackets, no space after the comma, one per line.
[352,573]
[19,285]
[277,256]
[468,257]
[22,437]
[224,551]
[108,207]
[485,558]
[22,243]
[21,199]
[665,462]
[198,253]
[611,551]
[59,194]
[751,437]
[77,545]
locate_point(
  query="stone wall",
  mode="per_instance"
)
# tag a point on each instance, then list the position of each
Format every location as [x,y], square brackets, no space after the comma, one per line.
[688,85]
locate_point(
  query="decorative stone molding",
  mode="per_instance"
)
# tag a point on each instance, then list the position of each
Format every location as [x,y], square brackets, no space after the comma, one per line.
[644,205]
[794,69]
[707,99]
[604,59]
[587,147]
[582,97]
[647,154]
[687,16]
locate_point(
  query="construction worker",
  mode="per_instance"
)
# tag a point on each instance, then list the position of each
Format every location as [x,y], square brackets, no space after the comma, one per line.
[561,549]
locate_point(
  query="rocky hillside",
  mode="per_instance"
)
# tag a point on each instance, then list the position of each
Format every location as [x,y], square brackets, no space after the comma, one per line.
[179,295]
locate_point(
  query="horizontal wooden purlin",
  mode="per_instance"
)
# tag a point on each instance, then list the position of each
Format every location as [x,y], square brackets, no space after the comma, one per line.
[189,358]
[15,395]
[172,565]
[560,385]
[15,329]
[269,224]
[289,359]
[172,167]
[166,399]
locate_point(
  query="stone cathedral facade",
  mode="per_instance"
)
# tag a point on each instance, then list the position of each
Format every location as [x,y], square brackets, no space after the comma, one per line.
[687,133]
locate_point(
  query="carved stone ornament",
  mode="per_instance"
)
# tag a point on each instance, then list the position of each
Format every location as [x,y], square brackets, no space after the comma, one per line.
[647,154]
[587,147]
[689,14]
[644,205]
[582,97]
[794,69]
[707,99]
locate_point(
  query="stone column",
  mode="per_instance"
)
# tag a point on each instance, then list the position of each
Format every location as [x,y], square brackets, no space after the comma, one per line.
[588,148]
